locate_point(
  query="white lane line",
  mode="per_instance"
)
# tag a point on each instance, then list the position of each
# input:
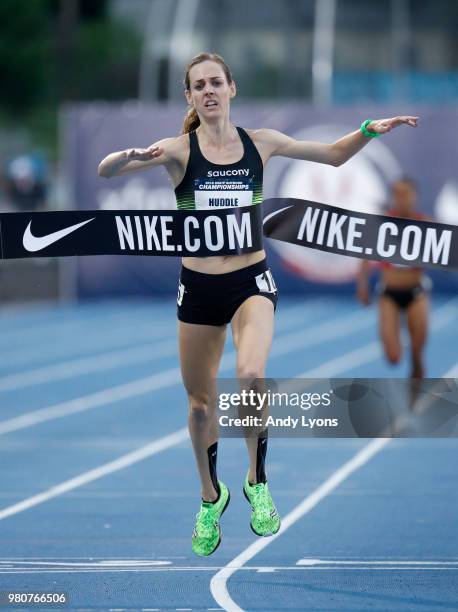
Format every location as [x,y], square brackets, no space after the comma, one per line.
[86,344]
[94,400]
[88,564]
[88,365]
[348,361]
[322,332]
[108,468]
[288,343]
[52,320]
[78,323]
[445,314]
[119,358]
[260,570]
[314,562]
[218,584]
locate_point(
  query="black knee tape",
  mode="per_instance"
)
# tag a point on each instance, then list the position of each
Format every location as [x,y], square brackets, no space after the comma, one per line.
[261,457]
[212,453]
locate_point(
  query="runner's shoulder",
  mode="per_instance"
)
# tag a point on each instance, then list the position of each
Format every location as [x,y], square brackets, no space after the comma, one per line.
[176,149]
[265,135]
[268,141]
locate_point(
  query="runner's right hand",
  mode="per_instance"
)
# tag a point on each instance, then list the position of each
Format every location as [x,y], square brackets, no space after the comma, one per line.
[144,154]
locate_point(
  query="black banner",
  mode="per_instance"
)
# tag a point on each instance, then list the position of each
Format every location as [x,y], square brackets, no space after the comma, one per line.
[230,231]
[392,239]
[199,233]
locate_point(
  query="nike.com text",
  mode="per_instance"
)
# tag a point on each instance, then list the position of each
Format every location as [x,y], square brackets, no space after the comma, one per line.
[341,232]
[146,233]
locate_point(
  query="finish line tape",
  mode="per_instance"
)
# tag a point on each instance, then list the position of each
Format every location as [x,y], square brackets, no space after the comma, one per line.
[229,231]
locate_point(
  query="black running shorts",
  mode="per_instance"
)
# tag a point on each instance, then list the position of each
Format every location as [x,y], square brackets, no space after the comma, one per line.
[404,297]
[212,299]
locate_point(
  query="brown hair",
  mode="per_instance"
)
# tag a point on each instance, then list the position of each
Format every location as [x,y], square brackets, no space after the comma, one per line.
[191,120]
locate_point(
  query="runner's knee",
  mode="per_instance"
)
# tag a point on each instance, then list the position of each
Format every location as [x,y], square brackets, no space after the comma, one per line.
[249,372]
[199,408]
[393,355]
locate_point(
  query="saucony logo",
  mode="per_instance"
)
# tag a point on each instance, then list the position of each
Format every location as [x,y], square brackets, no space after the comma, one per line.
[37,243]
[238,172]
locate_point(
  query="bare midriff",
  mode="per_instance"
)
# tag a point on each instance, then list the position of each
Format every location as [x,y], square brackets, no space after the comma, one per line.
[222,265]
[401,278]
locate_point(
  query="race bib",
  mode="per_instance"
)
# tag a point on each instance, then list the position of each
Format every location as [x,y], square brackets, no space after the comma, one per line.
[230,193]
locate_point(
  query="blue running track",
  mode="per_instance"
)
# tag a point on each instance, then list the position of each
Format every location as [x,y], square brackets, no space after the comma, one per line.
[99,490]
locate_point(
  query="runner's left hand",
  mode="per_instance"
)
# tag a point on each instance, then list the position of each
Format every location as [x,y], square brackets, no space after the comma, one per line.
[382,126]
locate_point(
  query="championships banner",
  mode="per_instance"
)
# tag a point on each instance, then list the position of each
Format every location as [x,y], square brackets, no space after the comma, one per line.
[229,231]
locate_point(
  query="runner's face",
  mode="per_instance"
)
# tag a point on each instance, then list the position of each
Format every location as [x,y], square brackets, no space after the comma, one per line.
[404,197]
[210,92]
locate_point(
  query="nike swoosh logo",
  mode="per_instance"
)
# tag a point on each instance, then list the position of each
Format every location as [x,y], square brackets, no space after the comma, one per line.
[37,243]
[276,212]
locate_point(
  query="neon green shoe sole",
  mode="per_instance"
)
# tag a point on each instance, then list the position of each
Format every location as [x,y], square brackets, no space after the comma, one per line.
[207,532]
[265,520]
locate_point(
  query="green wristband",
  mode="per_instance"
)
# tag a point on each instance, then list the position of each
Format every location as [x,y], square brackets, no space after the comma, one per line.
[365,131]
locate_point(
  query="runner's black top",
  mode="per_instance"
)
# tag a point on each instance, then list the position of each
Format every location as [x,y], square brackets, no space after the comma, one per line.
[206,185]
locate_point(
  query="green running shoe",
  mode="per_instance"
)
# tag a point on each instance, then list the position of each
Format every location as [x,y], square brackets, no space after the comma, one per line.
[207,532]
[265,520]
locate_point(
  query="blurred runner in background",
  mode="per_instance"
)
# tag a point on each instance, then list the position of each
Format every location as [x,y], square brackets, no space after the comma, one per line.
[401,289]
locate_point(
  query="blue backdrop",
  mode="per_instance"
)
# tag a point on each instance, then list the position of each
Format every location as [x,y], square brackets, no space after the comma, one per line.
[428,154]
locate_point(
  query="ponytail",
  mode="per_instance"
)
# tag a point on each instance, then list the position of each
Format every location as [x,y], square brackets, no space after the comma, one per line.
[191,121]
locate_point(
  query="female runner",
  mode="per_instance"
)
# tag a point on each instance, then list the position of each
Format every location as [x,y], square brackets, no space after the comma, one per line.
[216,291]
[401,289]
